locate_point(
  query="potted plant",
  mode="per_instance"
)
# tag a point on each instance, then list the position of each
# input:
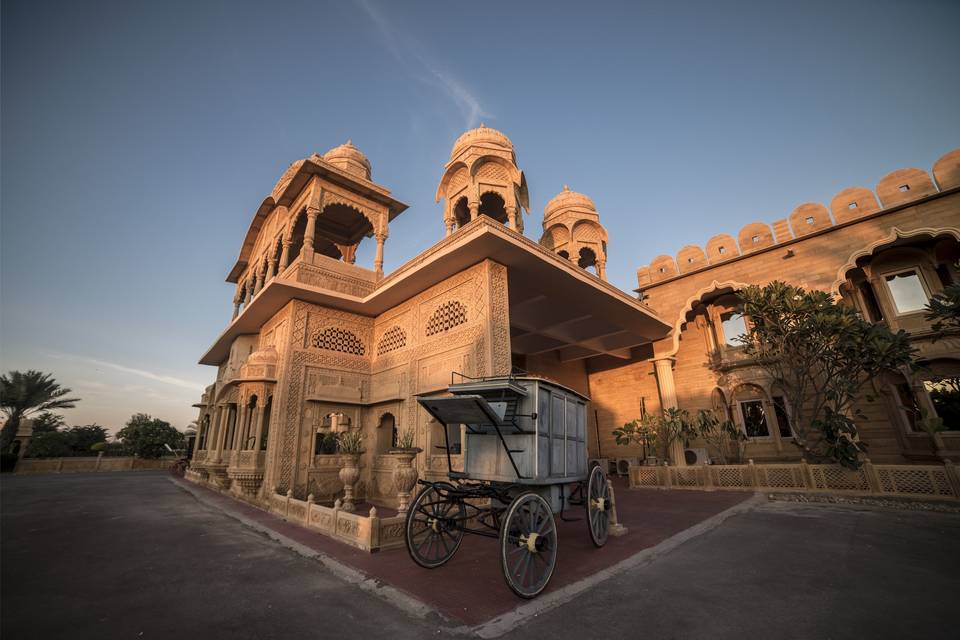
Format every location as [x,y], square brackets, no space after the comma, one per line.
[641,432]
[350,446]
[404,473]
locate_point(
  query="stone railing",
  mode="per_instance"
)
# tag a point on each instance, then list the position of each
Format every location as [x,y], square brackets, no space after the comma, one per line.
[100,463]
[888,480]
[370,532]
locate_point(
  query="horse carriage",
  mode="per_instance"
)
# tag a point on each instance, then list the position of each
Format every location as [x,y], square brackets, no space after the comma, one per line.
[525,462]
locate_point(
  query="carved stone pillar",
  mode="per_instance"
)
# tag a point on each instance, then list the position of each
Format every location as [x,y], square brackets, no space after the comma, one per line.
[448,224]
[236,306]
[285,254]
[309,232]
[512,218]
[271,268]
[259,428]
[668,400]
[474,209]
[260,279]
[222,419]
[602,268]
[378,260]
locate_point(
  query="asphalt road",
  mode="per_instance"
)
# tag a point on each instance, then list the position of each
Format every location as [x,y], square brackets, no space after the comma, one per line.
[131,555]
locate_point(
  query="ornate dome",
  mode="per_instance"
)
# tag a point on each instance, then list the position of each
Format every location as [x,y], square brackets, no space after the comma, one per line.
[350,159]
[264,356]
[481,135]
[567,199]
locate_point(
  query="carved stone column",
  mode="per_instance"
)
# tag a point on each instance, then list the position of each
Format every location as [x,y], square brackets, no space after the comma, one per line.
[309,232]
[285,254]
[448,224]
[259,428]
[668,399]
[260,279]
[271,268]
[602,268]
[474,209]
[512,218]
[236,306]
[222,419]
[378,260]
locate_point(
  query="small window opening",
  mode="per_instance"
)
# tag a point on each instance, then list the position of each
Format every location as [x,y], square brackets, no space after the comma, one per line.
[662,269]
[907,292]
[755,239]
[809,220]
[904,188]
[852,205]
[689,260]
[721,250]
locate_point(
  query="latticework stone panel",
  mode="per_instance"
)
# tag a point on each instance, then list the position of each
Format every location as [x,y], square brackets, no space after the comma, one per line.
[914,481]
[340,340]
[730,476]
[393,339]
[446,317]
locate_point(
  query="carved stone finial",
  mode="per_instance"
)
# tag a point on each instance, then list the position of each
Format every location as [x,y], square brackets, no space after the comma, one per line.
[337,503]
[373,512]
[566,187]
[482,125]
[350,142]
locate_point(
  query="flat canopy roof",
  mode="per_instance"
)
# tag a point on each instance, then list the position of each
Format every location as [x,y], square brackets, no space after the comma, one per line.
[554,305]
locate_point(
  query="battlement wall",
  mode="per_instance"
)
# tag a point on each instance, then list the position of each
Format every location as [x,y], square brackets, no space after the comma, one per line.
[894,189]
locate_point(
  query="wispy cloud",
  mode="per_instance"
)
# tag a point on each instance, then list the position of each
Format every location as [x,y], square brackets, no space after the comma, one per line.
[143,373]
[414,58]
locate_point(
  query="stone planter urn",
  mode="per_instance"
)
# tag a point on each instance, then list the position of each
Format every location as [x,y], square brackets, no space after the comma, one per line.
[404,475]
[349,474]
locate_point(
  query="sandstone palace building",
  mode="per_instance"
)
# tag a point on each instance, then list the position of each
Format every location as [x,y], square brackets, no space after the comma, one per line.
[317,343]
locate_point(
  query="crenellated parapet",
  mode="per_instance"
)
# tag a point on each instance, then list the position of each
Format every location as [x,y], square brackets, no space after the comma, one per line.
[895,189]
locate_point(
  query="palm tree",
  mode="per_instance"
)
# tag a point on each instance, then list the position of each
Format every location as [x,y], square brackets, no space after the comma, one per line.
[23,393]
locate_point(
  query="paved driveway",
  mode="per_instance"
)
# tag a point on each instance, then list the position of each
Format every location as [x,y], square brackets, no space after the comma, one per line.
[131,555]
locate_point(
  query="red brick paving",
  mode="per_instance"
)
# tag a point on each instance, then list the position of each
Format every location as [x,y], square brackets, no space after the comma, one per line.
[471,587]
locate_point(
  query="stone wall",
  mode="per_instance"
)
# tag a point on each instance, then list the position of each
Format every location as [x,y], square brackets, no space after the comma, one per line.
[77,465]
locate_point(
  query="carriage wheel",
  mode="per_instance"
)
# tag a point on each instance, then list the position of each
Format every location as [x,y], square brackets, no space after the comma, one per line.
[598,506]
[434,528]
[528,545]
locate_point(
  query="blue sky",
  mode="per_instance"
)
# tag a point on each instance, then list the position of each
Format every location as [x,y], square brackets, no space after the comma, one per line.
[138,139]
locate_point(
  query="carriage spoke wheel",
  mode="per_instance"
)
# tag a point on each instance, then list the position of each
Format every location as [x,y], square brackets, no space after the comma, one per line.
[598,506]
[528,545]
[433,528]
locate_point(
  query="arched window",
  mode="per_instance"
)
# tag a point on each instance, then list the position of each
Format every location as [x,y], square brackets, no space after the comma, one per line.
[461,212]
[587,259]
[266,423]
[752,411]
[493,206]
[247,437]
[387,432]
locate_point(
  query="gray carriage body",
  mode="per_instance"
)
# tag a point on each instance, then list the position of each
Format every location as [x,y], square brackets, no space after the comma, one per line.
[543,424]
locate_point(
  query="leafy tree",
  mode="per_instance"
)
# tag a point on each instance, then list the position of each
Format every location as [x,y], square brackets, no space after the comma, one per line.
[721,435]
[944,309]
[83,438]
[25,393]
[146,436]
[822,354]
[641,432]
[75,441]
[47,422]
